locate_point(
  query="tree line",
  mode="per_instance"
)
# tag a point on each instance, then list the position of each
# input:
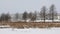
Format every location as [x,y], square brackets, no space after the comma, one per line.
[44,14]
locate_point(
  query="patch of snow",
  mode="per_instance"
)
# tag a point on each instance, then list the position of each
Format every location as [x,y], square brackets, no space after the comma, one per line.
[4,26]
[31,31]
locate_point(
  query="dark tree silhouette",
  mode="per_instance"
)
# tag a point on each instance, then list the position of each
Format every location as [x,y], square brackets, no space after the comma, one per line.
[52,12]
[24,16]
[42,13]
[30,15]
[34,16]
[5,17]
[2,18]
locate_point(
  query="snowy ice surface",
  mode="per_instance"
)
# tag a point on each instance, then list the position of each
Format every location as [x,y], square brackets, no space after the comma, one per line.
[30,31]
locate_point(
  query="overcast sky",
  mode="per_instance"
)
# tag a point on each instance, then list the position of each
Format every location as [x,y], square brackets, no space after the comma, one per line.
[14,6]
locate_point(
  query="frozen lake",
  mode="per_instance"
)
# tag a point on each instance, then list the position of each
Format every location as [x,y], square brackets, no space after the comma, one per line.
[30,31]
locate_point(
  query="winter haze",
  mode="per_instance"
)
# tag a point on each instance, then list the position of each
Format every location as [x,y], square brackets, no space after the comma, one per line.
[14,6]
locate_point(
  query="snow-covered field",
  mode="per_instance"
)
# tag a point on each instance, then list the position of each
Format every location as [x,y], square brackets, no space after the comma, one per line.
[30,31]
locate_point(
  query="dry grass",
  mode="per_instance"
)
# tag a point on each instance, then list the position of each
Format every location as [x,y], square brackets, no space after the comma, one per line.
[31,24]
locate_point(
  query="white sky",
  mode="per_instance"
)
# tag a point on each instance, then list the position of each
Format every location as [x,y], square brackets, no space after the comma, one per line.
[14,6]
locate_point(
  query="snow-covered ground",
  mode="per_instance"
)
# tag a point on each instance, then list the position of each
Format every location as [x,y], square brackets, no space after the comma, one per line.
[4,26]
[30,31]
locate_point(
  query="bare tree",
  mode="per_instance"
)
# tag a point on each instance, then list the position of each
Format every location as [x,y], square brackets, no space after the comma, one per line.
[52,12]
[30,15]
[24,16]
[5,17]
[42,13]
[2,18]
[35,14]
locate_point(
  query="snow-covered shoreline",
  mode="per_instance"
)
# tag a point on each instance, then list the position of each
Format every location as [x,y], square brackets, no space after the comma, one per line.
[31,31]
